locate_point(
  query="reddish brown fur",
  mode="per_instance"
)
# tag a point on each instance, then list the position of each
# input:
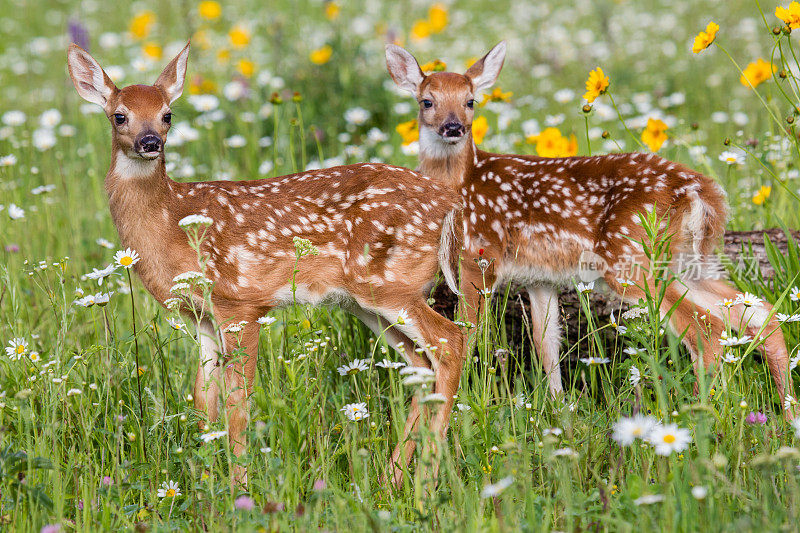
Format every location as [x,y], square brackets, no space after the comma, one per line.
[534,217]
[378,228]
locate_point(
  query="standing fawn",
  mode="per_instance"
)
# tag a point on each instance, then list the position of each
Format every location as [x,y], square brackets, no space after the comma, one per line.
[536,217]
[382,233]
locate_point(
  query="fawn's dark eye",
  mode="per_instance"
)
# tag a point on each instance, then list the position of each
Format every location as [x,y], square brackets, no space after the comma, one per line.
[167,118]
[119,119]
[470,103]
[427,104]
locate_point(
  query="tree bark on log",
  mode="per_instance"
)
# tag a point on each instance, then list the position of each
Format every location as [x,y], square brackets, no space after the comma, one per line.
[517,315]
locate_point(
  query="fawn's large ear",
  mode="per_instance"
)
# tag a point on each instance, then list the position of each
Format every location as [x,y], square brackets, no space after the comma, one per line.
[171,80]
[485,70]
[90,80]
[403,68]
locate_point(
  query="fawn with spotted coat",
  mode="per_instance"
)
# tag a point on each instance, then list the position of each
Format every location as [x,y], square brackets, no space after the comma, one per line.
[382,233]
[537,218]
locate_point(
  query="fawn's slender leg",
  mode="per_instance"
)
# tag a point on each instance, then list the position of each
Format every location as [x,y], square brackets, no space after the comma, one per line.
[207,383]
[546,331]
[240,369]
[751,320]
[431,329]
[404,449]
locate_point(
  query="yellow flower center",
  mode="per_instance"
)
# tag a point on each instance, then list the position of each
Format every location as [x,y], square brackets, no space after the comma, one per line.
[636,432]
[170,493]
[126,261]
[20,349]
[669,439]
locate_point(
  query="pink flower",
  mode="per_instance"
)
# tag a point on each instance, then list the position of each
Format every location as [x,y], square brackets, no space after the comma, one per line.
[50,528]
[107,481]
[319,485]
[756,418]
[244,503]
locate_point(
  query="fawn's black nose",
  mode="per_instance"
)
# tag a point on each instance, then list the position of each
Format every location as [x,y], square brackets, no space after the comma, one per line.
[150,143]
[453,129]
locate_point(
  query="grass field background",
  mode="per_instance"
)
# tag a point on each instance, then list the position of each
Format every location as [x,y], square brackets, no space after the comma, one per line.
[276,87]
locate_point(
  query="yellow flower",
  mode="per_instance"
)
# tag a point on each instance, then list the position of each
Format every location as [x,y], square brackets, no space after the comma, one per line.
[223,55]
[790,16]
[409,131]
[654,134]
[596,84]
[497,95]
[756,72]
[437,65]
[320,56]
[246,67]
[209,9]
[200,85]
[550,143]
[705,38]
[332,10]
[152,51]
[437,18]
[762,195]
[142,23]
[420,30]
[479,128]
[239,36]
[470,61]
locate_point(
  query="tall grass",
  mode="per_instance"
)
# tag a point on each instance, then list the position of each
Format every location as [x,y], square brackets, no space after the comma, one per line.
[77,452]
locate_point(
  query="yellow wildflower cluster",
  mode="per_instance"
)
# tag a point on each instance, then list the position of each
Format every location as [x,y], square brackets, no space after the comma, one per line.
[435,23]
[551,143]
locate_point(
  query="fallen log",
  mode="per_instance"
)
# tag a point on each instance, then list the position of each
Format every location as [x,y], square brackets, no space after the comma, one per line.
[743,248]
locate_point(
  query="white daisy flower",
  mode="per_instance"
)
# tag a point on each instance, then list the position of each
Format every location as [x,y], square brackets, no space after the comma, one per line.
[74,392]
[699,492]
[105,243]
[176,324]
[356,411]
[585,288]
[15,212]
[390,365]
[126,258]
[353,367]
[595,361]
[101,275]
[749,300]
[731,158]
[628,429]
[402,318]
[169,489]
[669,438]
[794,294]
[17,347]
[212,435]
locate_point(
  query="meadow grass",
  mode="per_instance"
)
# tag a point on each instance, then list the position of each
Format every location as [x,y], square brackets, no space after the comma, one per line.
[76,451]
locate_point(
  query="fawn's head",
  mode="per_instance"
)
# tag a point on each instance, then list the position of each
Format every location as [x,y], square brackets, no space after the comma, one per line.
[140,115]
[446,99]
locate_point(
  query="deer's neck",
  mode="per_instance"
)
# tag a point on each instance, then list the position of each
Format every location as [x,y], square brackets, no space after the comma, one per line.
[143,203]
[449,164]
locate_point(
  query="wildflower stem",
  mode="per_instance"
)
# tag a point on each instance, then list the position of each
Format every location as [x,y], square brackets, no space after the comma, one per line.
[624,125]
[775,176]
[588,142]
[136,355]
